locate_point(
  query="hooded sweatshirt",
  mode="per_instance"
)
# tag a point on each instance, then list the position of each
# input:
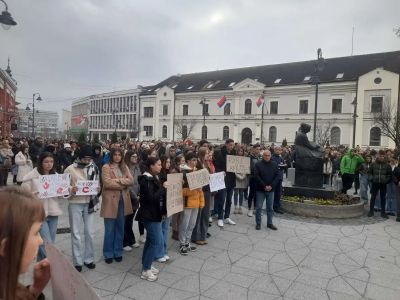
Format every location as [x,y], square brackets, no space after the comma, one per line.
[350,162]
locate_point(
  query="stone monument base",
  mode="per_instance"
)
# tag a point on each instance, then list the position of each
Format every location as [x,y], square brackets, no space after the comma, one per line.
[309,192]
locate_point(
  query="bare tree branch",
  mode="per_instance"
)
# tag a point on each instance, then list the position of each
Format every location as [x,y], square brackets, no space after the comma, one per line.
[323,134]
[389,122]
[397,31]
[179,125]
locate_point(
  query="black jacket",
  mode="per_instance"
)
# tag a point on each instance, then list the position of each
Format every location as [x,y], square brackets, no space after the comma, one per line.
[266,173]
[396,175]
[65,159]
[380,172]
[152,197]
[220,166]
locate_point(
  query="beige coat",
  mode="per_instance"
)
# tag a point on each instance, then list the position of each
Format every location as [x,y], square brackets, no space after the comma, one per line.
[30,184]
[112,189]
[24,165]
[77,174]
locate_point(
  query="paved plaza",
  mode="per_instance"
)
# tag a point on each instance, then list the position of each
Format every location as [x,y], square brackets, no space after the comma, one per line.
[305,259]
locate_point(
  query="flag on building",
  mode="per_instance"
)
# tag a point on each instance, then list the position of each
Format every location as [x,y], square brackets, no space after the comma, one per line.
[79,120]
[260,101]
[221,102]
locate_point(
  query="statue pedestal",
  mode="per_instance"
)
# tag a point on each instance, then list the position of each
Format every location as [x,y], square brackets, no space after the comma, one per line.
[309,192]
[309,178]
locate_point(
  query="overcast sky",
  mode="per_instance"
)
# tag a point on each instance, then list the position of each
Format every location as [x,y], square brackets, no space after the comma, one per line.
[71,48]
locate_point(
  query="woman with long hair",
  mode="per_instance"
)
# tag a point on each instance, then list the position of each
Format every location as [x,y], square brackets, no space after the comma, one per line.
[116,204]
[152,211]
[24,163]
[131,161]
[45,166]
[179,161]
[166,221]
[21,217]
[242,184]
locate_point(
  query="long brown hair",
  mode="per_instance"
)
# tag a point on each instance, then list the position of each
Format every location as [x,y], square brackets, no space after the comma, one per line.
[19,209]
[122,165]
[202,161]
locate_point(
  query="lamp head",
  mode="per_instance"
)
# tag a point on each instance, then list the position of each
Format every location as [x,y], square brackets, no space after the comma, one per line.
[7,20]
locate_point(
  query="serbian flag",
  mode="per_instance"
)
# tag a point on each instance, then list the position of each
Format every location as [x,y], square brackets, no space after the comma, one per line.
[260,101]
[221,102]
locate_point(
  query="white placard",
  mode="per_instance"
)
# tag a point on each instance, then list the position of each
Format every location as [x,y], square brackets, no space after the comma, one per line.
[238,164]
[54,185]
[217,181]
[174,193]
[87,187]
[198,179]
[67,283]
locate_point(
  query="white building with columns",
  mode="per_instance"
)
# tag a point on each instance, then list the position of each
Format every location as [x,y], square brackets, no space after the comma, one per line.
[350,90]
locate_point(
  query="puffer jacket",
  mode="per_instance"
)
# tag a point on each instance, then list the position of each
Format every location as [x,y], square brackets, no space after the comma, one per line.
[24,165]
[380,172]
[350,163]
[30,184]
[191,198]
[152,199]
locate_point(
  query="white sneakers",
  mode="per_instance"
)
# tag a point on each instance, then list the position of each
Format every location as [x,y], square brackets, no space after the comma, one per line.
[127,248]
[250,213]
[136,245]
[142,239]
[220,223]
[229,221]
[163,259]
[148,275]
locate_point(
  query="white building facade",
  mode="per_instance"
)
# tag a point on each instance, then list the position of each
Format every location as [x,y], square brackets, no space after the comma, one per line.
[46,123]
[350,90]
[102,114]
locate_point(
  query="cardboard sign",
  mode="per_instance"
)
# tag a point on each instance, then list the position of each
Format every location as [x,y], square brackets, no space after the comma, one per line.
[238,164]
[54,185]
[67,283]
[198,179]
[217,181]
[174,194]
[87,187]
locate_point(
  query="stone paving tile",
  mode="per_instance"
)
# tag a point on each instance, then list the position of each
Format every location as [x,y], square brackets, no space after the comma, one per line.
[307,258]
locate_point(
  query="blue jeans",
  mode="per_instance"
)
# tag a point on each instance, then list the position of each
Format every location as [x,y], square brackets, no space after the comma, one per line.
[391,205]
[260,197]
[364,187]
[48,233]
[114,233]
[164,228]
[153,243]
[238,195]
[224,197]
[77,212]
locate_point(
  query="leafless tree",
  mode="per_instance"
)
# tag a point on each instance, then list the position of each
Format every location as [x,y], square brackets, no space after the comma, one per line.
[389,122]
[323,134]
[397,31]
[180,124]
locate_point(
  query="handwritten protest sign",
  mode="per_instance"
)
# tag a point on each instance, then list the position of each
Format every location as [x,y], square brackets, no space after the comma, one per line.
[174,194]
[87,187]
[217,181]
[238,164]
[66,282]
[53,185]
[198,179]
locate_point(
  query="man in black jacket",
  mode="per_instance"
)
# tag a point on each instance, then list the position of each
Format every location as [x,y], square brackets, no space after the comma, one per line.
[224,195]
[254,158]
[396,180]
[267,176]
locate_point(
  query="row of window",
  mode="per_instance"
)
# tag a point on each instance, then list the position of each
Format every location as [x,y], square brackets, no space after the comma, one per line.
[374,136]
[117,104]
[115,121]
[376,107]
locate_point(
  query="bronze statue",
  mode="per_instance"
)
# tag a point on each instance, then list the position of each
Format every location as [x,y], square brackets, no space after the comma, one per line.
[309,160]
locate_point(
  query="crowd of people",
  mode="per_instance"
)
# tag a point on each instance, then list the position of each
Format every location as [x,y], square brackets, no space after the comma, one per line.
[133,178]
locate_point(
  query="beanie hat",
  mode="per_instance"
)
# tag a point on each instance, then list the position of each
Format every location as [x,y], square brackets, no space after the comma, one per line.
[85,151]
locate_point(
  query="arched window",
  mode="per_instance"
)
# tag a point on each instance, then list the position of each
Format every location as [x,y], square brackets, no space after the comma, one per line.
[247,107]
[227,109]
[225,133]
[164,131]
[272,134]
[375,136]
[335,135]
[204,132]
[184,132]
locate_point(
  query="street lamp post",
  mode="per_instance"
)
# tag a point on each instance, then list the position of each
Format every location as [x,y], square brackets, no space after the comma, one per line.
[354,120]
[6,20]
[33,111]
[319,66]
[203,103]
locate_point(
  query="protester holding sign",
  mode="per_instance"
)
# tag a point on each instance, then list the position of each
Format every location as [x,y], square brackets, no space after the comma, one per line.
[116,205]
[242,184]
[82,208]
[151,212]
[21,217]
[52,209]
[200,230]
[179,162]
[193,200]
[224,196]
